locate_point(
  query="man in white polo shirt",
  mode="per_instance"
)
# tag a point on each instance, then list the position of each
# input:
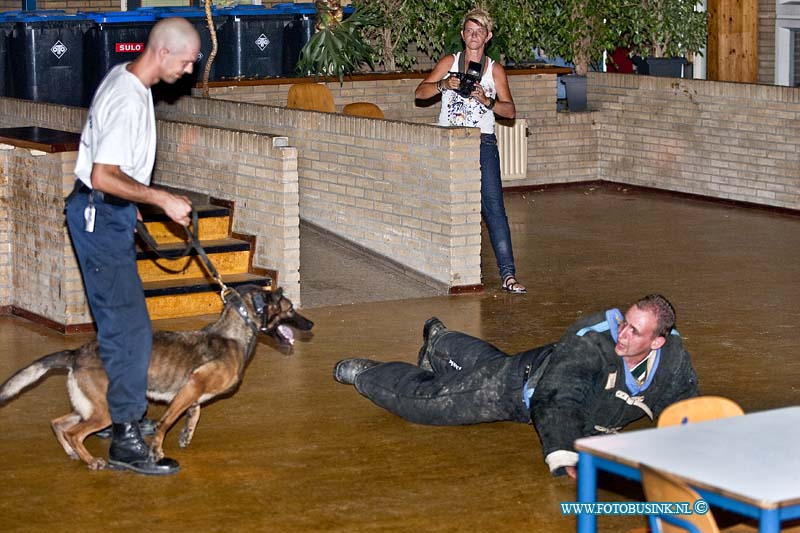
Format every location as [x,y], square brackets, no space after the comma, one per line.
[115,162]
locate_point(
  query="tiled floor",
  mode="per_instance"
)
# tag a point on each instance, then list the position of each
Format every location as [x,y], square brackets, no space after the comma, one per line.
[292,450]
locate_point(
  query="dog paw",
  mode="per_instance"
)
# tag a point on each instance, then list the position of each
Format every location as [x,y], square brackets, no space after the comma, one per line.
[96,464]
[157,454]
[185,438]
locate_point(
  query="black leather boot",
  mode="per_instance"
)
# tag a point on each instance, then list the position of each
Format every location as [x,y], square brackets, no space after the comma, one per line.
[147,426]
[432,328]
[129,451]
[346,370]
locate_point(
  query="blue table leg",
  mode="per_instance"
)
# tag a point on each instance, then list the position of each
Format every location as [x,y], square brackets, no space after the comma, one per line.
[587,491]
[769,521]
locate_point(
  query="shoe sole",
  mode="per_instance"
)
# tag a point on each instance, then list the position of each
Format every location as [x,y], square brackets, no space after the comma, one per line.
[116,465]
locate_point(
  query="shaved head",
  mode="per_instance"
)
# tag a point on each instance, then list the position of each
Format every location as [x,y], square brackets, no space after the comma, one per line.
[171,52]
[175,34]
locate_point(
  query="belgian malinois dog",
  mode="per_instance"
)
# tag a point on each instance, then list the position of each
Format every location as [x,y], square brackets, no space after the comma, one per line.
[187,368]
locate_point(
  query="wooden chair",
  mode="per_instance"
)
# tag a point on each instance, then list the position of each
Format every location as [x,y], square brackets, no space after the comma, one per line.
[662,487]
[698,409]
[363,109]
[310,97]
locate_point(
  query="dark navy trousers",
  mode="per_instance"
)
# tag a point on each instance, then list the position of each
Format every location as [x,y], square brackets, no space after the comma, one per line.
[107,260]
[472,382]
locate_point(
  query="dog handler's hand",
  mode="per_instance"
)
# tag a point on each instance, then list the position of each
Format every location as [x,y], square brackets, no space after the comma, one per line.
[177,207]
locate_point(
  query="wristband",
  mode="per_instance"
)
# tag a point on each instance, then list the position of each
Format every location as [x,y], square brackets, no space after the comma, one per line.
[492,101]
[439,86]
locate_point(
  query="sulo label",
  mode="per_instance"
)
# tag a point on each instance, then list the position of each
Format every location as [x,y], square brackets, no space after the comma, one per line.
[128,47]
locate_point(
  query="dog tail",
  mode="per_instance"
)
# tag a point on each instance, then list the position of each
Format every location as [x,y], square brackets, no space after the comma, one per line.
[33,372]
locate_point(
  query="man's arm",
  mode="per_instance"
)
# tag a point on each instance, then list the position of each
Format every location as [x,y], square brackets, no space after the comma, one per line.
[681,381]
[111,179]
[562,398]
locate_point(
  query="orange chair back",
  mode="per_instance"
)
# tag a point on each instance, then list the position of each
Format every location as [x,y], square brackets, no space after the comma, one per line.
[310,97]
[363,109]
[698,409]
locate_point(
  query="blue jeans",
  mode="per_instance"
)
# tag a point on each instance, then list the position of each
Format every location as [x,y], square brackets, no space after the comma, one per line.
[492,206]
[107,259]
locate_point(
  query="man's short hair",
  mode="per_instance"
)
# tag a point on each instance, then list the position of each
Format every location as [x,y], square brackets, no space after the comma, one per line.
[665,313]
[478,16]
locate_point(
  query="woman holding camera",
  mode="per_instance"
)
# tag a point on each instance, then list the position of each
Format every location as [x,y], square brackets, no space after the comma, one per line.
[474,88]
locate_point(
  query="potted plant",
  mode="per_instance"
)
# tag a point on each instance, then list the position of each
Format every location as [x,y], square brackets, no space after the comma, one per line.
[666,32]
[578,31]
[338,47]
[390,30]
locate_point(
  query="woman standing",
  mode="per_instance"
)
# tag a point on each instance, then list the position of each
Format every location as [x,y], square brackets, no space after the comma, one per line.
[477,109]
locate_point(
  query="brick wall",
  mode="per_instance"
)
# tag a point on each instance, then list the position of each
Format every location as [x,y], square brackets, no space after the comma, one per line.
[723,140]
[6,258]
[71,6]
[394,96]
[14,113]
[244,168]
[409,192]
[561,148]
[43,274]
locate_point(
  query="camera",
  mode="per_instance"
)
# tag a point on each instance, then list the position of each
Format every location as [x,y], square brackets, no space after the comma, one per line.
[469,79]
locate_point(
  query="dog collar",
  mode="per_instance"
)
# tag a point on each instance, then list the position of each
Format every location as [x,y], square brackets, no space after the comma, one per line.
[231,297]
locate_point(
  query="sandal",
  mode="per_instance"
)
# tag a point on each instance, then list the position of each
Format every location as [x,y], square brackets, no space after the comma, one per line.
[511,285]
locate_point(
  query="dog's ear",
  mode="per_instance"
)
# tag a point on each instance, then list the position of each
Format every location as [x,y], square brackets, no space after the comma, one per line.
[279,292]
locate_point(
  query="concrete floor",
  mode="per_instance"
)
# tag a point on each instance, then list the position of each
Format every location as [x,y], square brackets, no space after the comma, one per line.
[292,450]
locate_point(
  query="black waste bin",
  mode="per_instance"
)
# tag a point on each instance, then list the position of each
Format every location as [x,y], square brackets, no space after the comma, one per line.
[297,33]
[6,26]
[114,38]
[46,58]
[251,42]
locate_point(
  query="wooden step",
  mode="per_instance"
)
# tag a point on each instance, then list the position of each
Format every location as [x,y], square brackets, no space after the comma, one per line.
[229,256]
[183,287]
[193,296]
[213,223]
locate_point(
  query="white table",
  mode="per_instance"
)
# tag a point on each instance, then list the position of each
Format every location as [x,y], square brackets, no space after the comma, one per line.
[746,464]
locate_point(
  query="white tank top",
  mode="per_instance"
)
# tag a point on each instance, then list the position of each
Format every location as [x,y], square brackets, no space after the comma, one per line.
[459,111]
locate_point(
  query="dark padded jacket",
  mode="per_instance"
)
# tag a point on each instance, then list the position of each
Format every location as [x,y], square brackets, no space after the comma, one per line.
[582,391]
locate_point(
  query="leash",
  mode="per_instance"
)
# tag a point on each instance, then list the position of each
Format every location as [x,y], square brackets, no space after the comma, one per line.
[192,242]
[227,294]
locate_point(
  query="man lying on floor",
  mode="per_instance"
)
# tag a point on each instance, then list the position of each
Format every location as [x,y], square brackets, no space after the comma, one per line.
[606,371]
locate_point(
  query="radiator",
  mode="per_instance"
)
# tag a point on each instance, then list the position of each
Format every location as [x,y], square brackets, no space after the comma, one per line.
[512,142]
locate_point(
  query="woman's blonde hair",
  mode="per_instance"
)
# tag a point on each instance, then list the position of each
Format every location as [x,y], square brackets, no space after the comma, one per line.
[478,16]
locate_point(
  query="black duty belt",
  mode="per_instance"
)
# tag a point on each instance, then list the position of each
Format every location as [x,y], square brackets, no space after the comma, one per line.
[110,199]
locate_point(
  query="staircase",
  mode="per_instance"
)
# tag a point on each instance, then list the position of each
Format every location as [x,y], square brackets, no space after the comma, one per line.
[182,287]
